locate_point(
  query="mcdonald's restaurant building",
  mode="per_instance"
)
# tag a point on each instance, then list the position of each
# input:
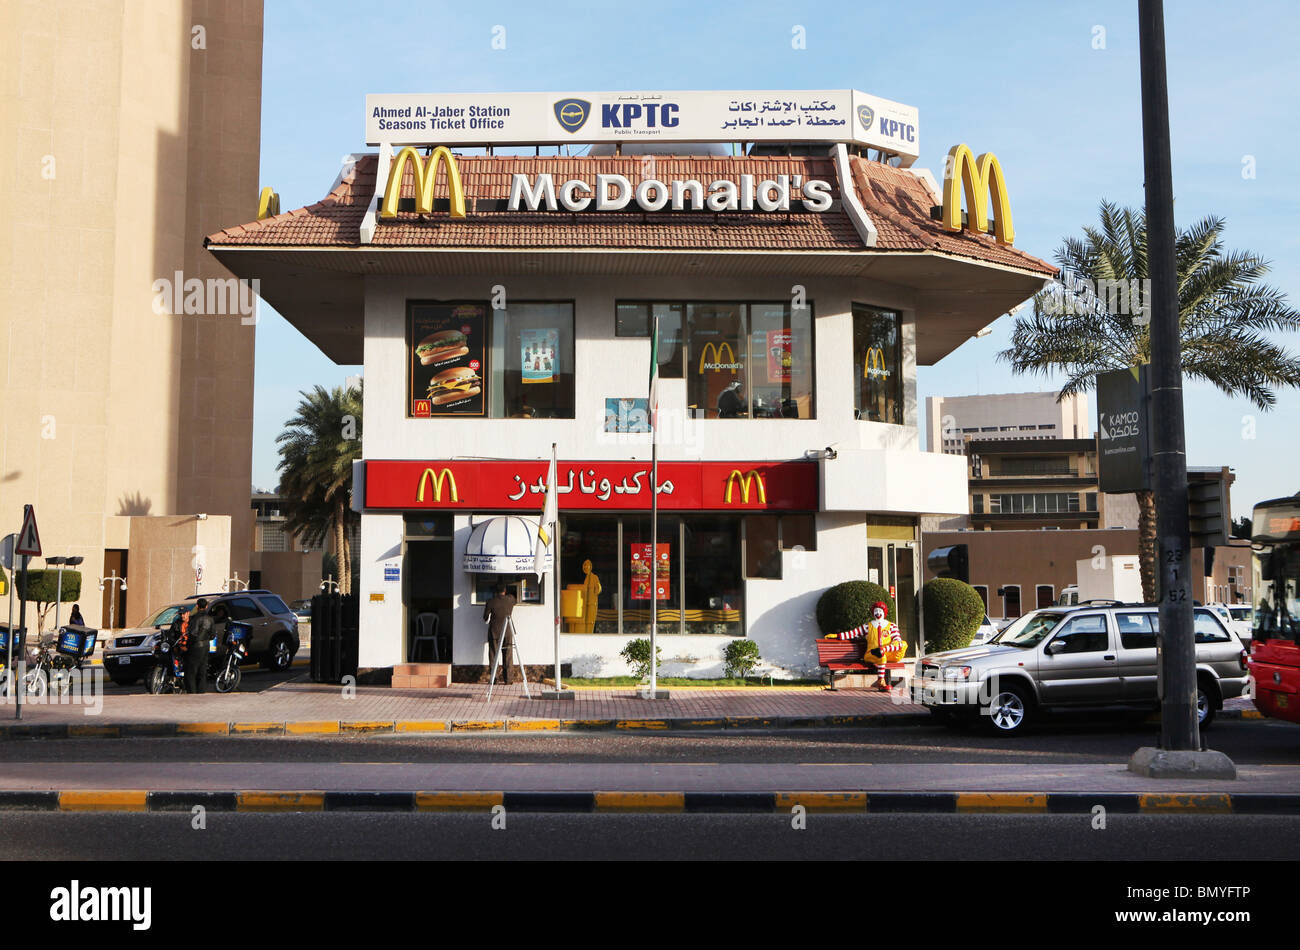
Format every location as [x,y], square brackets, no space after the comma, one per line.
[504,303]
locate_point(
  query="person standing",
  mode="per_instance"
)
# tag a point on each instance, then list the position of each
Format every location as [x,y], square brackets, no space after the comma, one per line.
[197,635]
[497,613]
[75,617]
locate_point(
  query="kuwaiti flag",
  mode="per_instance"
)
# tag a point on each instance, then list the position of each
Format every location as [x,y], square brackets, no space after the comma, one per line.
[549,517]
[654,373]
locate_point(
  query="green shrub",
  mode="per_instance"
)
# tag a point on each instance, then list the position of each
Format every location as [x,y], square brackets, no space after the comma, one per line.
[637,654]
[848,605]
[43,589]
[741,656]
[953,612]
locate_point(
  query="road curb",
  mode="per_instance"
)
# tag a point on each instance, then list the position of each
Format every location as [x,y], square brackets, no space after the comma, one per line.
[655,802]
[127,730]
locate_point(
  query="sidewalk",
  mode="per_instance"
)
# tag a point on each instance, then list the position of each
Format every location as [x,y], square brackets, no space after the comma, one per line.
[300,707]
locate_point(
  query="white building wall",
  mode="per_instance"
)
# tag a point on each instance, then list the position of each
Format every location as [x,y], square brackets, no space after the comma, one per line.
[779,614]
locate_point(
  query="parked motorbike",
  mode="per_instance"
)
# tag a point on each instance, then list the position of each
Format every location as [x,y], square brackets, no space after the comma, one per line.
[168,673]
[51,663]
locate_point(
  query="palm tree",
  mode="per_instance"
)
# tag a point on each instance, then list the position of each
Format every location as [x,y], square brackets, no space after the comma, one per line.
[317,448]
[1225,315]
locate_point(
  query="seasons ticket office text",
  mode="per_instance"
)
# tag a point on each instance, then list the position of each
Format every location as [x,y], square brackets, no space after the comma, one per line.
[498,308]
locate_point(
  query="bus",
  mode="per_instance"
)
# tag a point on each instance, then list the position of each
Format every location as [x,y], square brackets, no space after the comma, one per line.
[1275,657]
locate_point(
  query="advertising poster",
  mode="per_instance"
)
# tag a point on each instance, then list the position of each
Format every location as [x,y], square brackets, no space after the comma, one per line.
[539,352]
[627,415]
[640,568]
[446,344]
[779,358]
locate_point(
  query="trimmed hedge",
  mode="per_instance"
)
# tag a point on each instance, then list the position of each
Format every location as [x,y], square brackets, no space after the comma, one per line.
[43,586]
[953,612]
[848,605]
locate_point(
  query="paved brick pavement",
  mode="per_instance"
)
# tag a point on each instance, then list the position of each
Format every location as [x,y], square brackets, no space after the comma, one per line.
[302,701]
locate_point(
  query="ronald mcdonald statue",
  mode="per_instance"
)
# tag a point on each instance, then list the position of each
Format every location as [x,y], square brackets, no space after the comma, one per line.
[884,643]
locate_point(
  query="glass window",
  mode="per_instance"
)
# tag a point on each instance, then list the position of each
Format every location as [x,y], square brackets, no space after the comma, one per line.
[780,361]
[798,531]
[273,604]
[714,589]
[1208,629]
[877,365]
[1046,595]
[1085,634]
[633,319]
[1136,631]
[589,558]
[467,360]
[1092,501]
[643,573]
[524,587]
[715,385]
[763,546]
[977,504]
[531,365]
[983,591]
[242,608]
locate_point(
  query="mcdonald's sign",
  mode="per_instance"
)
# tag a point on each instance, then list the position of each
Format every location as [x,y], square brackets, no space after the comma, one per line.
[745,481]
[717,364]
[428,477]
[426,174]
[874,365]
[981,178]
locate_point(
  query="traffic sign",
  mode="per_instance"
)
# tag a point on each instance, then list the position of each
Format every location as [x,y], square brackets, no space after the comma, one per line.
[29,539]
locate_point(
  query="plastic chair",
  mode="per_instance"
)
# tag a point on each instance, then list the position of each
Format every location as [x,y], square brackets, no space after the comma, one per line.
[426,631]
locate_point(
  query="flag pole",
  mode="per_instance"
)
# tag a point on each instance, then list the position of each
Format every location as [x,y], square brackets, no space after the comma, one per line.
[555,585]
[654,511]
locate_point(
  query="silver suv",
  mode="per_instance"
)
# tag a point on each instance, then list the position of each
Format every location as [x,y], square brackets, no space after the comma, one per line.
[1063,657]
[128,656]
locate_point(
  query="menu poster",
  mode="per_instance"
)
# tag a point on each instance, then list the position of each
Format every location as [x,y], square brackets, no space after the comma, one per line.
[539,354]
[640,568]
[779,358]
[446,343]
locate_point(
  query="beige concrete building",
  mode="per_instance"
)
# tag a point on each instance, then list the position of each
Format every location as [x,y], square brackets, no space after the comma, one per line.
[132,129]
[951,421]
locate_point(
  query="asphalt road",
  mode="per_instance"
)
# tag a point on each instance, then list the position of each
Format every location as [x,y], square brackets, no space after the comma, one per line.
[1247,742]
[434,837]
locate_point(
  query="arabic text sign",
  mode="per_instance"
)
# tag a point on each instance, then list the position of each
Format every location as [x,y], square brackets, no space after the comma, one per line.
[592,485]
[526,118]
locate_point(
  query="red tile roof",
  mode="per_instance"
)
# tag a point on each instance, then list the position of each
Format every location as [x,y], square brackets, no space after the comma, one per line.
[896,200]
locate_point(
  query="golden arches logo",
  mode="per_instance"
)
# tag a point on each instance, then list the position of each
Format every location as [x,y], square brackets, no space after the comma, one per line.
[717,364]
[437,480]
[426,174]
[745,481]
[874,365]
[981,178]
[268,203]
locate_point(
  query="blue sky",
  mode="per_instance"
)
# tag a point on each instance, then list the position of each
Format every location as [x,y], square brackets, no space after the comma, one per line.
[1020,79]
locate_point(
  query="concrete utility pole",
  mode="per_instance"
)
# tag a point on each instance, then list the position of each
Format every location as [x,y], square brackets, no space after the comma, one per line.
[1179,754]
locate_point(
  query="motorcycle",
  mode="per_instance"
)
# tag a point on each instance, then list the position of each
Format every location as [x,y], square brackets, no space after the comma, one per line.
[51,664]
[168,673]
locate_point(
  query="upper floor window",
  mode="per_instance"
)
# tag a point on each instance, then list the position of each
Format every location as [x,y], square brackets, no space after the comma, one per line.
[739,360]
[465,359]
[877,364]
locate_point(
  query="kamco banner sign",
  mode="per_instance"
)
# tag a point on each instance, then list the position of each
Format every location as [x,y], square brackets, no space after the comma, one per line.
[536,118]
[521,485]
[1123,451]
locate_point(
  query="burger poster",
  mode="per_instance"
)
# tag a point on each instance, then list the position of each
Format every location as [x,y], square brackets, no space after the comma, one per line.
[640,571]
[447,343]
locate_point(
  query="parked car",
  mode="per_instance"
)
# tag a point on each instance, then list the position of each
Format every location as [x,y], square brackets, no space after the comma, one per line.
[1069,596]
[1093,655]
[274,642]
[302,610]
[1238,617]
[987,631]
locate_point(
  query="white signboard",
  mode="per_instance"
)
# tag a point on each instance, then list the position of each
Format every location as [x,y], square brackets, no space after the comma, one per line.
[533,118]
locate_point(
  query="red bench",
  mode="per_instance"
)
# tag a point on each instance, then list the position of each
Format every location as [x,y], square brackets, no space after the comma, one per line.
[843,656]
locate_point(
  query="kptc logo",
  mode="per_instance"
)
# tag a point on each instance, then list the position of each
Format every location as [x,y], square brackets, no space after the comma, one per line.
[572,113]
[866,115]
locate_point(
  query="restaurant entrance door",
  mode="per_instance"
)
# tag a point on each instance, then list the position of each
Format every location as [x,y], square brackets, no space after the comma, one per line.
[428,589]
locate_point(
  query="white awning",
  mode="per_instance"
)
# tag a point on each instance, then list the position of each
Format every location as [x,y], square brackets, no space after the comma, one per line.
[503,545]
